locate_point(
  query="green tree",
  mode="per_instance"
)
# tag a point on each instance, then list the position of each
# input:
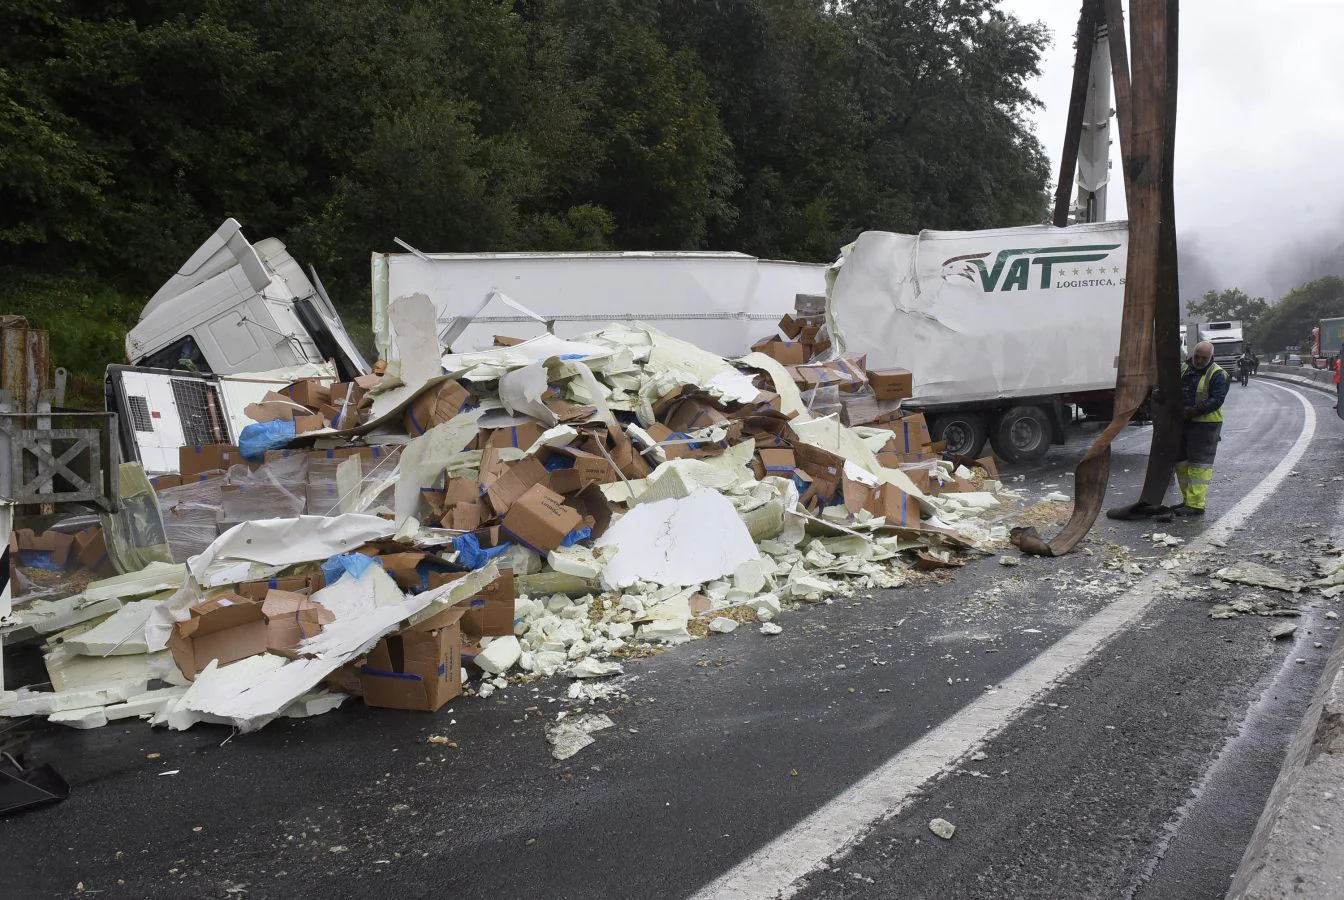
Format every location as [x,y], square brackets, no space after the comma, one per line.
[1289,322]
[1233,304]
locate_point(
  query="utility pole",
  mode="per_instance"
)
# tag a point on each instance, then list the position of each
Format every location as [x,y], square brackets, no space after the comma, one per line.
[1151,312]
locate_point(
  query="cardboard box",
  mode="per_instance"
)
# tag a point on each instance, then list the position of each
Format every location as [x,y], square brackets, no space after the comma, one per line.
[987,463]
[922,479]
[307,424]
[311,392]
[435,406]
[856,495]
[521,437]
[163,482]
[892,384]
[623,453]
[779,462]
[463,516]
[588,468]
[274,406]
[419,667]
[824,468]
[197,458]
[912,434]
[292,584]
[53,544]
[592,505]
[91,549]
[898,507]
[786,353]
[488,613]
[865,409]
[519,476]
[791,327]
[348,393]
[540,520]
[809,304]
[504,340]
[291,618]
[401,566]
[890,459]
[228,628]
[693,414]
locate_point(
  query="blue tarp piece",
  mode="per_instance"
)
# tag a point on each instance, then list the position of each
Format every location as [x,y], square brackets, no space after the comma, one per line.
[259,437]
[471,554]
[356,564]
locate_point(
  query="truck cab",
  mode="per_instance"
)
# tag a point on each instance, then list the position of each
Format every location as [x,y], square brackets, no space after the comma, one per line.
[1227,341]
[239,307]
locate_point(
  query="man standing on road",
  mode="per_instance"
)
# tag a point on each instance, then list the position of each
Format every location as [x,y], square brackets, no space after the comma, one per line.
[1204,387]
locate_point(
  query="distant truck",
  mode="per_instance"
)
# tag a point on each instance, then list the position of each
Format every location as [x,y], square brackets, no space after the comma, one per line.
[1332,337]
[239,307]
[1003,330]
[1226,338]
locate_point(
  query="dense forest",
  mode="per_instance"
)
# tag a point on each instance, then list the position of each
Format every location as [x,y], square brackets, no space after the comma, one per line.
[129,129]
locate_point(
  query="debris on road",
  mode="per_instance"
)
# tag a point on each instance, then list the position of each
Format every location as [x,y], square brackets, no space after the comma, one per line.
[460,522]
[569,736]
[943,828]
[1279,632]
[1256,575]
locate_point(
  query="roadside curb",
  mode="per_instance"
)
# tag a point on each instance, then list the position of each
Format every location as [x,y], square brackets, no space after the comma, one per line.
[1299,380]
[1297,849]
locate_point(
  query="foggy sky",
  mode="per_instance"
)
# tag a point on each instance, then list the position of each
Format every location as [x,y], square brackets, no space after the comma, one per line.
[1259,135]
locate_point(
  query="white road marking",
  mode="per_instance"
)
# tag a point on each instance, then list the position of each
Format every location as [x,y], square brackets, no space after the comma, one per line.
[777,869]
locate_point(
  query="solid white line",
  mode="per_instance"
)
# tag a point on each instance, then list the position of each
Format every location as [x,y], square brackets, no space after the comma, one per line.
[777,868]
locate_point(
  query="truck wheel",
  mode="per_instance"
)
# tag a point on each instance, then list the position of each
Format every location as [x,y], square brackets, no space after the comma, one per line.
[964,433]
[1022,434]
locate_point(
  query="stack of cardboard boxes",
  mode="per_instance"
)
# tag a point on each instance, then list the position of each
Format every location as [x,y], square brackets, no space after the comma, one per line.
[314,404]
[831,382]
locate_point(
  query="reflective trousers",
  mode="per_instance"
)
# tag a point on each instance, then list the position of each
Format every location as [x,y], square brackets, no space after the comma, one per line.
[1194,472]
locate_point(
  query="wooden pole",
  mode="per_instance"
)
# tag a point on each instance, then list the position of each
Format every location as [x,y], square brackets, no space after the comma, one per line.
[1151,150]
[1168,415]
[1073,128]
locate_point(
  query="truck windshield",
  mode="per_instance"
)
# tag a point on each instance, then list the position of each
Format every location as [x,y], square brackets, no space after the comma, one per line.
[182,354]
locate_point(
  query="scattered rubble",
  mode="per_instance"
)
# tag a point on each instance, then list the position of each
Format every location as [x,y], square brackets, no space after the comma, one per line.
[1254,574]
[462,522]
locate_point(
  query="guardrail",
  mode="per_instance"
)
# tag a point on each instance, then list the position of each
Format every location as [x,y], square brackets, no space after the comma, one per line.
[1322,375]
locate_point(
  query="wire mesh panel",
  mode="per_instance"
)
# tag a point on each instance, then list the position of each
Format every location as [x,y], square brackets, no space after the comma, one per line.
[199,410]
[140,417]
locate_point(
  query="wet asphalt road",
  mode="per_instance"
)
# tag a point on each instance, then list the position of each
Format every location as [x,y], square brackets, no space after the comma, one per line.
[1141,775]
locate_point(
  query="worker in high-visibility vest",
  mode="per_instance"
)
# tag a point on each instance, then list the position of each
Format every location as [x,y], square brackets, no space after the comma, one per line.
[1204,387]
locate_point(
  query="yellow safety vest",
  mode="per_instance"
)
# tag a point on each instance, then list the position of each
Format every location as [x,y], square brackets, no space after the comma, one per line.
[1202,391]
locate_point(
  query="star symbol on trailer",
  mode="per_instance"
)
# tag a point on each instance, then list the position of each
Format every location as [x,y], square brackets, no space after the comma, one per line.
[1116,270]
[1089,270]
[1075,271]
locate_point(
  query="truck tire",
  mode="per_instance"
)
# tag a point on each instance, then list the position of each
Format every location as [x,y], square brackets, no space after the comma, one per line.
[1022,434]
[963,431]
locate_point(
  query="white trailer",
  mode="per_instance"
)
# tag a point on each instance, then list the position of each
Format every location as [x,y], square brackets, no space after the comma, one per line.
[1001,329]
[722,302]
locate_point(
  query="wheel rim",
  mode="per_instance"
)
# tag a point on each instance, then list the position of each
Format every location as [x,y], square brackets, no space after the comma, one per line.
[958,437]
[1026,434]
